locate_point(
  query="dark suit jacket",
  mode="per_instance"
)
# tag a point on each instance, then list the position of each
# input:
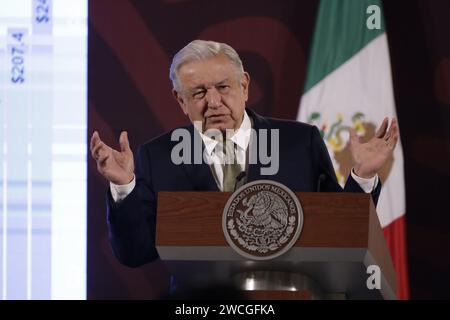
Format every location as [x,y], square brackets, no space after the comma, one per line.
[304,161]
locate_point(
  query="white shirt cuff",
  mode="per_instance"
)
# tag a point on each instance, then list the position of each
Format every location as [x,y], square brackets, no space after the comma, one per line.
[368,185]
[120,192]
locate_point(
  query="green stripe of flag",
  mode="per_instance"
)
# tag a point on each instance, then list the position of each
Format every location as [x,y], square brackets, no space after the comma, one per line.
[339,34]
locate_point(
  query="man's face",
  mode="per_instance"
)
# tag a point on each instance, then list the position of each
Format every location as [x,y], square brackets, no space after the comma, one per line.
[213,92]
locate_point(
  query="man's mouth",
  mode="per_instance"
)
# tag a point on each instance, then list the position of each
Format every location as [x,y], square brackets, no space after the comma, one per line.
[216,117]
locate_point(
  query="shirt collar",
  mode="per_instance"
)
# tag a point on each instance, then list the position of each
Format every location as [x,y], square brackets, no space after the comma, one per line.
[241,137]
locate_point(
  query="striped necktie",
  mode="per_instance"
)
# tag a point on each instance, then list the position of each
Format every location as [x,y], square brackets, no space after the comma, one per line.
[231,168]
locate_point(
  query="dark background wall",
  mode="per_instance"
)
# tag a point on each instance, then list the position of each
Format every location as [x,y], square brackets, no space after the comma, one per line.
[131,44]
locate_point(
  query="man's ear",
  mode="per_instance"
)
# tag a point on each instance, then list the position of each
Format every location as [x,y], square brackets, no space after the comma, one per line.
[245,83]
[180,101]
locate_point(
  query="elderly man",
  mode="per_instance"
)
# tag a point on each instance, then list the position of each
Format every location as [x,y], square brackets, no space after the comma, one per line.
[211,87]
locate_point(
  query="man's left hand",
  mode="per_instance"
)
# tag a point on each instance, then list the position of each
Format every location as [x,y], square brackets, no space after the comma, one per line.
[369,157]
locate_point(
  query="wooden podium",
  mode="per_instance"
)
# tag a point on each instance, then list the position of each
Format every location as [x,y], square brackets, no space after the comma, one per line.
[341,237]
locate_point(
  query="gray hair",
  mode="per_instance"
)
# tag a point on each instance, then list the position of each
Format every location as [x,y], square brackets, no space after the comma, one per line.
[200,50]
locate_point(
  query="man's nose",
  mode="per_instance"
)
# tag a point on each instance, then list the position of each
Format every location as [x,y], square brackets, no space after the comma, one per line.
[213,98]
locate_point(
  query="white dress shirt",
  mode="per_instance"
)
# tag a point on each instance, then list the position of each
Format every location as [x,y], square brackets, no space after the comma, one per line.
[214,149]
[214,155]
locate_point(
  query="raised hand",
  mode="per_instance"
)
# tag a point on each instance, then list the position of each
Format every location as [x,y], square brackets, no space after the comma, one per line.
[369,157]
[116,166]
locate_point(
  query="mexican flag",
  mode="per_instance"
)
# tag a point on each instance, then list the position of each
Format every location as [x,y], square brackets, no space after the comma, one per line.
[349,84]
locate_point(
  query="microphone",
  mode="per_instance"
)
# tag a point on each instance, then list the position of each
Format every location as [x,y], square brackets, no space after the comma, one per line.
[239,177]
[321,179]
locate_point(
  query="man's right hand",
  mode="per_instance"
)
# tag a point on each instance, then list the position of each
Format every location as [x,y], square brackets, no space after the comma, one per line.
[116,166]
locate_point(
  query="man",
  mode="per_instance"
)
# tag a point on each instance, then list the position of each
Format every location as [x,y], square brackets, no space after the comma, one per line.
[211,87]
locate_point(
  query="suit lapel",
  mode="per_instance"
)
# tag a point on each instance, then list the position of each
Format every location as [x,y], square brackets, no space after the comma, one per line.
[258,122]
[200,175]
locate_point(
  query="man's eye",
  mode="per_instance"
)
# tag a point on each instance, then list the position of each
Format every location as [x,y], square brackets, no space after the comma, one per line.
[199,94]
[224,87]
